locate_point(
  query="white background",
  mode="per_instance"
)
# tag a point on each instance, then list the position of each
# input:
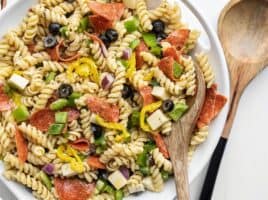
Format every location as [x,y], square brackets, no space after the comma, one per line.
[243,173]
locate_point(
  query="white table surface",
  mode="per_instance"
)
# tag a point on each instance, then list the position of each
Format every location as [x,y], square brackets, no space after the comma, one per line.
[243,172]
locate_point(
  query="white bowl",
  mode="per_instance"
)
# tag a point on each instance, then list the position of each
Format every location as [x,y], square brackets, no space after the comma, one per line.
[14,13]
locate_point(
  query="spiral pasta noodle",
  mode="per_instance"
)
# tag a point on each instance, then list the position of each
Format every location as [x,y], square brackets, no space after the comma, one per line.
[143,15]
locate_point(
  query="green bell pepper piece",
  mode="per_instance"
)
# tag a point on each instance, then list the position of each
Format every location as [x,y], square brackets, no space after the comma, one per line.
[100,141]
[45,180]
[134,44]
[132,25]
[63,31]
[142,159]
[149,39]
[83,24]
[145,170]
[21,113]
[61,117]
[154,83]
[177,70]
[118,195]
[72,98]
[165,175]
[59,104]
[156,50]
[178,110]
[134,119]
[55,129]
[100,185]
[51,76]
[109,189]
[149,146]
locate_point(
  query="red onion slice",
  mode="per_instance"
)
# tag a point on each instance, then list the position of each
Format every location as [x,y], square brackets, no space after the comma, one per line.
[127,53]
[106,81]
[125,171]
[48,169]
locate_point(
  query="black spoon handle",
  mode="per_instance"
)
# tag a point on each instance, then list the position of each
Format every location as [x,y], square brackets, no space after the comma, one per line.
[207,189]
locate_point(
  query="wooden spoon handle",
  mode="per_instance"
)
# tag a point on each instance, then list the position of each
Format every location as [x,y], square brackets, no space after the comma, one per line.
[182,184]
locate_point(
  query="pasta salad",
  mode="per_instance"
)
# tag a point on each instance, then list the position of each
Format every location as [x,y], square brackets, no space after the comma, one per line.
[88,90]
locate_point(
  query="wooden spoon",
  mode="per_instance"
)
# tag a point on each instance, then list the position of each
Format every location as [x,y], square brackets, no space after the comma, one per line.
[178,141]
[243,31]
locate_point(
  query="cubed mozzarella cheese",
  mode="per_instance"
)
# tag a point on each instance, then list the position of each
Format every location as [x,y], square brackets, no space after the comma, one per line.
[67,171]
[157,119]
[18,82]
[160,93]
[117,179]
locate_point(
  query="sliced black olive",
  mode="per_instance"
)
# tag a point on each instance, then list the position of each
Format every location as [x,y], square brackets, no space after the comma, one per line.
[103,174]
[65,90]
[50,41]
[167,105]
[161,36]
[96,130]
[158,26]
[112,35]
[127,92]
[54,28]
[105,39]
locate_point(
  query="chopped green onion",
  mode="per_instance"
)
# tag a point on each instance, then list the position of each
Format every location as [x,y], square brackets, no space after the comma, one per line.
[59,104]
[118,195]
[132,25]
[178,111]
[177,70]
[63,31]
[51,76]
[55,129]
[134,44]
[83,24]
[61,117]
[45,180]
[156,50]
[149,39]
[21,113]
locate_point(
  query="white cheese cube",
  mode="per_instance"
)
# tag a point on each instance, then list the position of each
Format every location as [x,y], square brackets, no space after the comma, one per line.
[130,3]
[157,119]
[18,82]
[67,171]
[160,93]
[117,179]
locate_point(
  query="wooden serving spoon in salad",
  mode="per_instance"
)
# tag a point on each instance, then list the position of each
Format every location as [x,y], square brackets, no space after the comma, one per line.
[243,31]
[178,141]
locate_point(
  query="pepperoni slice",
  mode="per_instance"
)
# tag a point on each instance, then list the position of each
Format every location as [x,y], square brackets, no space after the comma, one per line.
[70,189]
[95,162]
[21,145]
[166,66]
[73,114]
[159,141]
[42,119]
[172,52]
[110,11]
[219,104]
[139,59]
[207,111]
[99,23]
[178,38]
[5,103]
[146,93]
[81,144]
[106,110]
